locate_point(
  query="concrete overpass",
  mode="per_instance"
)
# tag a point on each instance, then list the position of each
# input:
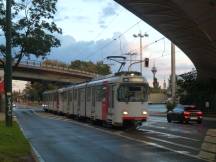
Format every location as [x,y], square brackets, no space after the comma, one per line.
[190,24]
[36,71]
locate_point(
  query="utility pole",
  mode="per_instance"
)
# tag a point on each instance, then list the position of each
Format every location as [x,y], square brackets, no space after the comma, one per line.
[140,35]
[173,72]
[8,68]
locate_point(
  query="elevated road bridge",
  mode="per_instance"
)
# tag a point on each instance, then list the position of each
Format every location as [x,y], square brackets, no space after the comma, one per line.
[190,24]
[38,71]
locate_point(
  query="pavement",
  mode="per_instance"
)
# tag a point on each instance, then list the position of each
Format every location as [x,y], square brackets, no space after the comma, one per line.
[2,116]
[57,138]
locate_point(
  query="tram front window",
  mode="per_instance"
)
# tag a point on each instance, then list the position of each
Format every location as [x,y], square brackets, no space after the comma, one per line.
[132,93]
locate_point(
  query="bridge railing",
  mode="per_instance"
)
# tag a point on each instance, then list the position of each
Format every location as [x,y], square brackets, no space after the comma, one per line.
[39,64]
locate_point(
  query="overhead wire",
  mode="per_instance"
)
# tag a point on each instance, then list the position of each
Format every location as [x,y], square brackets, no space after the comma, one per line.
[101,32]
[114,39]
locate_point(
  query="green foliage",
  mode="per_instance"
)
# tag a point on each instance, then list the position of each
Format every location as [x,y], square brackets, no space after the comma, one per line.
[33,28]
[55,63]
[13,145]
[99,67]
[33,91]
[170,105]
[195,91]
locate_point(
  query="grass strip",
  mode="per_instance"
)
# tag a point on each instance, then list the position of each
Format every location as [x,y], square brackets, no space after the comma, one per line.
[13,145]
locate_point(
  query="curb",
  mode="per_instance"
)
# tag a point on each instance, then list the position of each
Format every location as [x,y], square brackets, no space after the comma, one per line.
[36,156]
[208,148]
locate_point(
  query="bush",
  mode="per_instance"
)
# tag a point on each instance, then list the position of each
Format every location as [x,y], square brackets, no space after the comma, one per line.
[170,105]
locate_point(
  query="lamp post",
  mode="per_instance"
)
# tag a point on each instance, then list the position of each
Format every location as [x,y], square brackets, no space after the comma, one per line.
[140,35]
[8,68]
[173,72]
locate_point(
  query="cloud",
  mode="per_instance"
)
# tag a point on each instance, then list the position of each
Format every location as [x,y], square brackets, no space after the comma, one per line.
[18,85]
[88,50]
[109,10]
[61,19]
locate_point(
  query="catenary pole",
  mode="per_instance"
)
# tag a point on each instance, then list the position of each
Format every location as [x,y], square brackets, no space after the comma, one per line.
[173,71]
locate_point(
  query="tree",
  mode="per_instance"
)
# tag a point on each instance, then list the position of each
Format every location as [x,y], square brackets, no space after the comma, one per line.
[32,28]
[34,90]
[192,90]
[98,68]
[54,63]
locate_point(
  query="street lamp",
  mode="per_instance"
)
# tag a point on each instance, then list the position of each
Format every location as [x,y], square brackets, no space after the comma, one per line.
[140,35]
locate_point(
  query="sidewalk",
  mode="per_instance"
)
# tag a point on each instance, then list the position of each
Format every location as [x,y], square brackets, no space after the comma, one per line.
[2,116]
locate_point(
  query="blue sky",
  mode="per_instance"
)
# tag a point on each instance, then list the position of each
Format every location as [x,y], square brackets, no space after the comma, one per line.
[94,29]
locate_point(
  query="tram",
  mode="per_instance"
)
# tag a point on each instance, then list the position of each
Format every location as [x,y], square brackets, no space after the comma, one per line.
[118,100]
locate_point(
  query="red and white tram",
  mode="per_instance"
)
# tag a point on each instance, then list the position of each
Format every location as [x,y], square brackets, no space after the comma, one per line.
[119,100]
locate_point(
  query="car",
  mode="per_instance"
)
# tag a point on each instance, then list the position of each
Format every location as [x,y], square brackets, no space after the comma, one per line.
[184,114]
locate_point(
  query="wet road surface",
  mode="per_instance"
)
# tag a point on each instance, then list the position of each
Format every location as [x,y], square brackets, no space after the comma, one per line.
[57,138]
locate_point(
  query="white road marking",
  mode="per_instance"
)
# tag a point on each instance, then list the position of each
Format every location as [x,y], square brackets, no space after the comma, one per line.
[169,135]
[172,143]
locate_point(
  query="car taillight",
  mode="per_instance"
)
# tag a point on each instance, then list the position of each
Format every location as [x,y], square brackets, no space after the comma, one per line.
[199,113]
[186,113]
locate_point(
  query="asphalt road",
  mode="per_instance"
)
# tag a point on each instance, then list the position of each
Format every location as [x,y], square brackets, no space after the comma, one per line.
[57,138]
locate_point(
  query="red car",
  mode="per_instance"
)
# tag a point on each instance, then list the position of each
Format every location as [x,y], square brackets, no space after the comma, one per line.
[185,113]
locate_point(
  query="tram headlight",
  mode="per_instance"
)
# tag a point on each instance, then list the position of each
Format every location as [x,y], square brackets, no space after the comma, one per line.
[144,112]
[125,113]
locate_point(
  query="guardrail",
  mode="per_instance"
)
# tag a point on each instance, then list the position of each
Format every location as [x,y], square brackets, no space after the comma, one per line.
[44,65]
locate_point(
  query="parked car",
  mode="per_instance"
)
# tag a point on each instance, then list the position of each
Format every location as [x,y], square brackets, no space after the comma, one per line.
[185,113]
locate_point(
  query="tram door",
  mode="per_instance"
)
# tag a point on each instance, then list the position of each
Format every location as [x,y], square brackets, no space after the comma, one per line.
[111,101]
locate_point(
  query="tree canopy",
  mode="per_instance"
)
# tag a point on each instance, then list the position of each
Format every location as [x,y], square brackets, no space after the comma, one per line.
[98,67]
[194,91]
[33,28]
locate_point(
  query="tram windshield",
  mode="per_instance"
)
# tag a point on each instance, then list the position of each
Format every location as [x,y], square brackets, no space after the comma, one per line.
[133,93]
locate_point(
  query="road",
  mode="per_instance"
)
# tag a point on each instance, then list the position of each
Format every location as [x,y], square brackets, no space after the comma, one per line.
[57,138]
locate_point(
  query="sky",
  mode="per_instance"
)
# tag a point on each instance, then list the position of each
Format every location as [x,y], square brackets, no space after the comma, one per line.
[95,29]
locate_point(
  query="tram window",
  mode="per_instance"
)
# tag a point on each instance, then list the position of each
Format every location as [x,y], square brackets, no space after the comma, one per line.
[88,94]
[99,93]
[111,96]
[132,93]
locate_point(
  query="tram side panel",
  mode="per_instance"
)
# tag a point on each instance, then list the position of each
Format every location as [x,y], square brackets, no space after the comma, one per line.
[88,102]
[70,102]
[76,102]
[82,104]
[61,104]
[55,102]
[93,103]
[98,104]
[65,102]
